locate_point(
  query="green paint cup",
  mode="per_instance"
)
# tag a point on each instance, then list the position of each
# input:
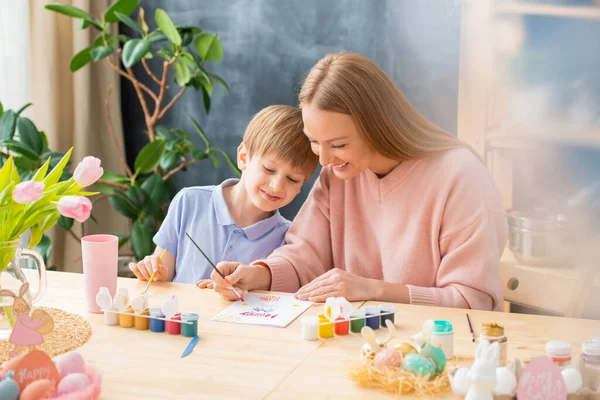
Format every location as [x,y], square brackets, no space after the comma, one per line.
[189,330]
[357,320]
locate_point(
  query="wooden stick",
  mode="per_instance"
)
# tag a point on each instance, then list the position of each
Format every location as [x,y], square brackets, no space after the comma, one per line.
[145,64]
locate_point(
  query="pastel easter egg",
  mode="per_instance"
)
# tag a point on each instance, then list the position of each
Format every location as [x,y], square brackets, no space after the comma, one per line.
[387,358]
[406,348]
[72,383]
[70,363]
[40,389]
[418,365]
[9,389]
[437,357]
[573,379]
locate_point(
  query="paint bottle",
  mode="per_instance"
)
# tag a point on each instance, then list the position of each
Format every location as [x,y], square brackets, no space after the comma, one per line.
[110,316]
[189,330]
[173,327]
[357,320]
[442,335]
[494,332]
[389,310]
[157,325]
[310,327]
[589,364]
[126,319]
[372,316]
[325,327]
[559,352]
[342,325]
[142,323]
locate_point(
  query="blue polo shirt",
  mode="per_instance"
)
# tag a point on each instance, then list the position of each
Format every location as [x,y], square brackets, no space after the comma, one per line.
[202,212]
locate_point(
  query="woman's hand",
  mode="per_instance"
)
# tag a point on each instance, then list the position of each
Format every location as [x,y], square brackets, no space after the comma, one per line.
[244,277]
[337,283]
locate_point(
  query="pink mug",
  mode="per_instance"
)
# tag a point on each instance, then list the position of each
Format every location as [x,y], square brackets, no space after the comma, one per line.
[100,258]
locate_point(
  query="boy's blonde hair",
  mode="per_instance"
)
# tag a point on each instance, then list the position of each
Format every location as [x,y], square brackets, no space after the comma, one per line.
[352,84]
[279,130]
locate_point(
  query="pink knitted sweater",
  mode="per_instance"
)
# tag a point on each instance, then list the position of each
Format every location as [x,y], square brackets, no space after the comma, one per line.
[435,224]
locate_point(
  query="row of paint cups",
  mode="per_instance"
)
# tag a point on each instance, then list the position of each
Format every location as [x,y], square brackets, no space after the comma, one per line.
[371,316]
[154,320]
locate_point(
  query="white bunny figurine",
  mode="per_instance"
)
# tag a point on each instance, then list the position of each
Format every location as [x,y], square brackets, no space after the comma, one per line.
[374,345]
[482,376]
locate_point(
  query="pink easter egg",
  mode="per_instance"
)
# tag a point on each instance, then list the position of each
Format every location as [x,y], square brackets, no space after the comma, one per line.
[72,383]
[40,389]
[387,358]
[70,363]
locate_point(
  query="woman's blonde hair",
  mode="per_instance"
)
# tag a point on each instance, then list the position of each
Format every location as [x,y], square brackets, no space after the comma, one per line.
[279,130]
[350,83]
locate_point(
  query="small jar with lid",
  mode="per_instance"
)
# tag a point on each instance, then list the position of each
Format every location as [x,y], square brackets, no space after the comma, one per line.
[590,364]
[494,332]
[559,352]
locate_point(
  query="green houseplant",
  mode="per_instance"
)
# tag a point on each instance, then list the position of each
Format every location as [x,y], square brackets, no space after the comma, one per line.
[143,193]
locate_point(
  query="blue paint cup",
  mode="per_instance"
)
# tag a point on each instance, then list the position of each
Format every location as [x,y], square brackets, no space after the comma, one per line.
[372,316]
[157,325]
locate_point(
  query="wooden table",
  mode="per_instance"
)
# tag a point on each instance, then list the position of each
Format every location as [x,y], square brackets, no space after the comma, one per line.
[233,361]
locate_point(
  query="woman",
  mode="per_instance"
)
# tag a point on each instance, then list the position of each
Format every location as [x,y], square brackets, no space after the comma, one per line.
[402,211]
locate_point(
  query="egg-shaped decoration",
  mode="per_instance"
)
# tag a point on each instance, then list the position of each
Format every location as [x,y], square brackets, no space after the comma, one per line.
[406,348]
[418,365]
[367,353]
[9,389]
[387,359]
[72,383]
[70,363]
[436,356]
[40,389]
[573,379]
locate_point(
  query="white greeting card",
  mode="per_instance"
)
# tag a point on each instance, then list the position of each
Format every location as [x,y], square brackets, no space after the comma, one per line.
[263,309]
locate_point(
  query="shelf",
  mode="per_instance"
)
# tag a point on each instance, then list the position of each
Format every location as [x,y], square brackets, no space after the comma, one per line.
[530,8]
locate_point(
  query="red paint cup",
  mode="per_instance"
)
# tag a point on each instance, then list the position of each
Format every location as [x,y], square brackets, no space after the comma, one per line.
[172,327]
[342,326]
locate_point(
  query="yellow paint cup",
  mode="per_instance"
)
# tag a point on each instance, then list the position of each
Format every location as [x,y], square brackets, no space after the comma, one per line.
[126,320]
[325,329]
[142,323]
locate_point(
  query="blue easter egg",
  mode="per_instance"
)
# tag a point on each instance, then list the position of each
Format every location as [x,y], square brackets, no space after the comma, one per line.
[436,356]
[9,389]
[418,365]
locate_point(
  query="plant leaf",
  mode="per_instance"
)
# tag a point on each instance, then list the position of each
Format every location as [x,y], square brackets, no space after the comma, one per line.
[164,132]
[80,59]
[168,160]
[182,73]
[149,157]
[141,240]
[44,247]
[187,59]
[209,47]
[219,80]
[198,154]
[134,50]
[157,36]
[114,178]
[36,235]
[50,221]
[229,161]
[167,27]
[20,148]
[69,10]
[25,107]
[29,135]
[122,204]
[57,171]
[129,22]
[106,40]
[155,189]
[206,98]
[137,197]
[8,124]
[41,172]
[5,172]
[65,223]
[199,130]
[1,109]
[215,160]
[125,7]
[99,53]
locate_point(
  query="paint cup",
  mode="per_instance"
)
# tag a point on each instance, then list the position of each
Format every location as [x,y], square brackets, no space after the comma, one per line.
[126,320]
[442,335]
[142,323]
[310,327]
[358,320]
[157,325]
[342,325]
[189,330]
[389,310]
[100,255]
[325,327]
[110,316]
[372,317]
[174,327]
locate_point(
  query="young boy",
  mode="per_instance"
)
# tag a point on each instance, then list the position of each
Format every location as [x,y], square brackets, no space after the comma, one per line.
[239,219]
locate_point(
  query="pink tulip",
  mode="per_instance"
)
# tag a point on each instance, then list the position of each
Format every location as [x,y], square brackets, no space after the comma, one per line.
[28,192]
[76,207]
[88,171]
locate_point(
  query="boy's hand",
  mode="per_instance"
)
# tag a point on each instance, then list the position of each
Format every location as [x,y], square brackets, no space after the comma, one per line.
[205,284]
[143,269]
[243,277]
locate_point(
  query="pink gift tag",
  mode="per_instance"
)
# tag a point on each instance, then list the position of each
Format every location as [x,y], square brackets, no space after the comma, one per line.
[541,380]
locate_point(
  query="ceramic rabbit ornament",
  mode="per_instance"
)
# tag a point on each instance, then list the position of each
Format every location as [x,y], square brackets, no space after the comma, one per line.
[482,376]
[374,345]
[28,330]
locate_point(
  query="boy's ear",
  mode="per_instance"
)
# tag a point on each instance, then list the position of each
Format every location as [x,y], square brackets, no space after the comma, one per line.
[242,156]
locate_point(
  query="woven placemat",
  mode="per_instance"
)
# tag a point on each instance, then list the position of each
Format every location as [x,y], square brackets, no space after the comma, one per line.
[70,332]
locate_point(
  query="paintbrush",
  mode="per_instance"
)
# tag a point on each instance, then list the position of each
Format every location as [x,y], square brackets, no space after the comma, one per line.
[213,265]
[154,273]
[471,328]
